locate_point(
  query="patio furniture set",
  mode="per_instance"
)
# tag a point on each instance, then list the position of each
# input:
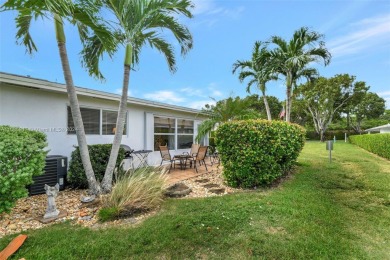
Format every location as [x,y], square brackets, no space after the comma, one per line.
[196,155]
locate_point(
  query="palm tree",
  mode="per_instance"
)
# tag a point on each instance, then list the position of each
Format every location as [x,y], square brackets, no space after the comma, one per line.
[223,111]
[140,22]
[292,58]
[257,70]
[82,15]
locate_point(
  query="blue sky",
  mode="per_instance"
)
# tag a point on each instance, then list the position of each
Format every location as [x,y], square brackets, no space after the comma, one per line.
[357,33]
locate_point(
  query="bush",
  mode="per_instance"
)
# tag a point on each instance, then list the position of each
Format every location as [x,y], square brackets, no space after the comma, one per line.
[134,192]
[375,143]
[256,152]
[99,154]
[22,156]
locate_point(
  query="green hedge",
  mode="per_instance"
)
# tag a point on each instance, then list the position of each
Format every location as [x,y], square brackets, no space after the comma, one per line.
[256,152]
[99,154]
[375,143]
[22,156]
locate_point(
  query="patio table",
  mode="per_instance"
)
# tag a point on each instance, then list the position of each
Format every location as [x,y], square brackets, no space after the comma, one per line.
[183,160]
[142,156]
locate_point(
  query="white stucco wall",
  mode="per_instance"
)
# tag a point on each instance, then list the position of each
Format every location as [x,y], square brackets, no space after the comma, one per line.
[47,111]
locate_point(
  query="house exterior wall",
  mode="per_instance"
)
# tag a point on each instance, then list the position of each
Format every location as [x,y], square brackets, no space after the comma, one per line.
[385,130]
[46,111]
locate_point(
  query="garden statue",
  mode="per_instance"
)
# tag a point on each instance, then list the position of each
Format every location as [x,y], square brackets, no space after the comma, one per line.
[51,192]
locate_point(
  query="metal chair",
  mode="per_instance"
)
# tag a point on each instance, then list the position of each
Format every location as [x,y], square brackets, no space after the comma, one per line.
[166,156]
[194,150]
[200,157]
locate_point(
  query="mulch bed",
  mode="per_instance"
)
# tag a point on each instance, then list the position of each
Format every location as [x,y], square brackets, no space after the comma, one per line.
[27,210]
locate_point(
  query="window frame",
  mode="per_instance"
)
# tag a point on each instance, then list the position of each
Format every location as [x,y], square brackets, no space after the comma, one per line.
[100,120]
[175,133]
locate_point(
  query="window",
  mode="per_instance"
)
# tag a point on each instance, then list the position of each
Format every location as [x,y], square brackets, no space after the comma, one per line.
[109,122]
[92,123]
[185,133]
[166,130]
[91,120]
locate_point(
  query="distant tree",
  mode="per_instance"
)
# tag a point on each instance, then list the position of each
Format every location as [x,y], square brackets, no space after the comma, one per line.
[325,97]
[370,107]
[299,113]
[223,111]
[273,102]
[386,115]
[291,59]
[258,71]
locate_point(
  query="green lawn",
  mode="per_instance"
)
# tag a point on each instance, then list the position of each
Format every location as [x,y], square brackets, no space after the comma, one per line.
[339,210]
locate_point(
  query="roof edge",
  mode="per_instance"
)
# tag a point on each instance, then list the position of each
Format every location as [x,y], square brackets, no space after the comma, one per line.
[59,87]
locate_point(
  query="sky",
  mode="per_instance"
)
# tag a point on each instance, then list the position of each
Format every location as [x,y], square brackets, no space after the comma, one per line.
[356,32]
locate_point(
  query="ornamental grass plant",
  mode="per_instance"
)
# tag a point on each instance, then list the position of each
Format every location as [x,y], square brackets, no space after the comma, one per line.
[136,191]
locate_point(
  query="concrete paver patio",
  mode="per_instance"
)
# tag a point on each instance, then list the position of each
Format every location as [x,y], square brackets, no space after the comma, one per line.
[176,174]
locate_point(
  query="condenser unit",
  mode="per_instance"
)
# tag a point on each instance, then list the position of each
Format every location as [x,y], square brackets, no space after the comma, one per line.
[56,169]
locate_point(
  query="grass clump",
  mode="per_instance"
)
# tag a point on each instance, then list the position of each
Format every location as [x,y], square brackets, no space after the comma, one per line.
[134,192]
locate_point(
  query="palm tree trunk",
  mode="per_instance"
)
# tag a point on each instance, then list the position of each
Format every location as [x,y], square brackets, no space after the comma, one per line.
[288,98]
[288,104]
[107,180]
[94,187]
[267,107]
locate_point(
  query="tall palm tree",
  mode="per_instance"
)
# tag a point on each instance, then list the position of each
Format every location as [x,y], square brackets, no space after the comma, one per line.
[224,111]
[257,70]
[292,58]
[140,22]
[81,14]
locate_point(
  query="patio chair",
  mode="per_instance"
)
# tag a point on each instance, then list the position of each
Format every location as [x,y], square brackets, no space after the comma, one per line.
[200,156]
[194,150]
[166,156]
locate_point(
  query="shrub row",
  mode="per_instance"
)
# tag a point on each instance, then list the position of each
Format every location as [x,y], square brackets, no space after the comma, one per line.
[256,152]
[22,156]
[99,154]
[329,135]
[375,143]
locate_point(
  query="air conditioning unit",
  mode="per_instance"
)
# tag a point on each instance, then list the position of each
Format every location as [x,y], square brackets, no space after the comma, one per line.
[56,169]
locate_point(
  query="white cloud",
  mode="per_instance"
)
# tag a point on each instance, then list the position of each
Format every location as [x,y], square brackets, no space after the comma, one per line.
[384,93]
[200,104]
[119,92]
[189,91]
[369,33]
[165,96]
[211,12]
[203,6]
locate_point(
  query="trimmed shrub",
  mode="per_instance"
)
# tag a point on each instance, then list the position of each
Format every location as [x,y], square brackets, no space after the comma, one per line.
[375,143]
[22,156]
[257,152]
[99,154]
[134,192]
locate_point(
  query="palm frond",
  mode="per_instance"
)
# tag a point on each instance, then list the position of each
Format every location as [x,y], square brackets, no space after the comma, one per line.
[165,48]
[23,36]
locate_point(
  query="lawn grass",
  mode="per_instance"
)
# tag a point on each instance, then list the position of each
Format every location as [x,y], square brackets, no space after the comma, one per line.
[331,211]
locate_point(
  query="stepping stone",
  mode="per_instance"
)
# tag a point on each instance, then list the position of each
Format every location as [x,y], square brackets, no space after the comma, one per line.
[177,190]
[202,180]
[217,190]
[210,185]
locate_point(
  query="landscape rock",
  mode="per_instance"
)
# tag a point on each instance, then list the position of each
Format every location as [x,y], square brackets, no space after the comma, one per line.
[177,190]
